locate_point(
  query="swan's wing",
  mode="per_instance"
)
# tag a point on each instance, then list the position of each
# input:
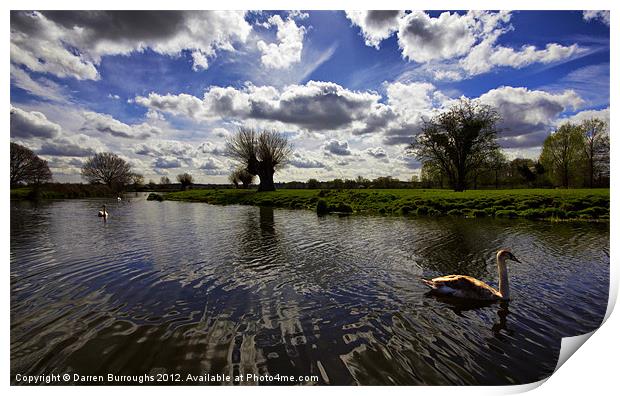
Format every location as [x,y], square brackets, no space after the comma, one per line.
[463,286]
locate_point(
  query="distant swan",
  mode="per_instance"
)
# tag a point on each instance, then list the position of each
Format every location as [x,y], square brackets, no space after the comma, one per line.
[103,213]
[466,287]
[118,198]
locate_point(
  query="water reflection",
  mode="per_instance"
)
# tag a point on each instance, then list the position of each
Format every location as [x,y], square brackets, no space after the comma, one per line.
[193,288]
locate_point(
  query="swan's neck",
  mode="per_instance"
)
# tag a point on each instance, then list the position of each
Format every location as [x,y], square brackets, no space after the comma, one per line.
[504,287]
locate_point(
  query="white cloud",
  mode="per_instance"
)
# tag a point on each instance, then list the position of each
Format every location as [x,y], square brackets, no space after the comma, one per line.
[107,124]
[376,25]
[337,147]
[423,38]
[581,116]
[287,50]
[528,115]
[32,124]
[592,15]
[41,87]
[71,44]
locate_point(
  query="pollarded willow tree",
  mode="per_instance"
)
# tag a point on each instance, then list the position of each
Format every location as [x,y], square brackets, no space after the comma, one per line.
[107,168]
[260,153]
[459,141]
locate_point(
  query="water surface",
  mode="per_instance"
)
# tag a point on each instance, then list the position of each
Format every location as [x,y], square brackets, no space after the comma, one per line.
[174,287]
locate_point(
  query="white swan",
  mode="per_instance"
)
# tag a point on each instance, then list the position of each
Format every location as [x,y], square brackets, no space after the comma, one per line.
[103,213]
[118,198]
[466,287]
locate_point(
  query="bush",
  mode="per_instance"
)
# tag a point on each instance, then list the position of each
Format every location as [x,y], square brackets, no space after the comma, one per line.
[455,212]
[341,208]
[405,210]
[154,197]
[321,207]
[506,213]
[478,213]
[434,212]
[422,211]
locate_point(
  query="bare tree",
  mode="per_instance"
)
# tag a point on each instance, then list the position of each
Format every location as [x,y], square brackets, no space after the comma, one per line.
[241,175]
[185,179]
[164,180]
[596,148]
[260,153]
[27,167]
[458,140]
[137,179]
[107,168]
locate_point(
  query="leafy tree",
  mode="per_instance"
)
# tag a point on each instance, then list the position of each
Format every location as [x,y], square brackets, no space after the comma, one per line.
[431,175]
[563,154]
[260,153]
[596,148]
[164,180]
[27,167]
[459,140]
[185,179]
[497,163]
[313,184]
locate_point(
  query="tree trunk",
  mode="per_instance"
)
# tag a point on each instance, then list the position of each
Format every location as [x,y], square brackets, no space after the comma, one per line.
[266,180]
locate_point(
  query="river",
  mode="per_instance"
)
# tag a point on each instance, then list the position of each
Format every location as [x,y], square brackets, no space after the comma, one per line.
[192,288]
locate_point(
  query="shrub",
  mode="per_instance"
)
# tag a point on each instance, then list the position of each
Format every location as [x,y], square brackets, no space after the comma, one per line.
[506,213]
[154,197]
[455,212]
[405,210]
[434,212]
[422,211]
[478,213]
[321,207]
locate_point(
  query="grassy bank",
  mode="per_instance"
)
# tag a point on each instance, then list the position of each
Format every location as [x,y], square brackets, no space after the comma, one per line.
[62,191]
[579,204]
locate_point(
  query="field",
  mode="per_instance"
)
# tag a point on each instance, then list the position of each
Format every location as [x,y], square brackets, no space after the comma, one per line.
[549,204]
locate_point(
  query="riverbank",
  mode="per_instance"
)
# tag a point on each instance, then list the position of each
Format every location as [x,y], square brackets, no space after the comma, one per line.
[548,204]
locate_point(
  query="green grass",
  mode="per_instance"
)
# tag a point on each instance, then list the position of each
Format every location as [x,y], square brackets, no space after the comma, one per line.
[61,191]
[549,204]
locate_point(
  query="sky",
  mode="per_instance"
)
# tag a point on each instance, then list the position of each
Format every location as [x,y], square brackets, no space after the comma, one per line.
[350,89]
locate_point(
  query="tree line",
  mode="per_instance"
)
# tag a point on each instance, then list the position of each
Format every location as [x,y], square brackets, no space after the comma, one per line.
[458,148]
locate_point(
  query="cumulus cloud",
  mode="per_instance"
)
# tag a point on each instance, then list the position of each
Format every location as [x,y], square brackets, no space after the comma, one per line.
[376,25]
[79,145]
[72,43]
[456,45]
[105,123]
[602,114]
[41,87]
[485,56]
[594,15]
[377,152]
[167,162]
[317,105]
[301,161]
[32,124]
[423,38]
[528,114]
[287,50]
[337,147]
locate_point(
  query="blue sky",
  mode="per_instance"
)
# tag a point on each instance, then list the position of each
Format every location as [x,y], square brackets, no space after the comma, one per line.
[165,89]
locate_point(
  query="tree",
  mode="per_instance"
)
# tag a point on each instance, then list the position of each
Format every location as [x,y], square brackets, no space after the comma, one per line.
[596,148]
[458,140]
[313,183]
[431,175]
[164,180]
[497,163]
[27,167]
[107,168]
[137,179]
[563,153]
[261,154]
[185,179]
[240,175]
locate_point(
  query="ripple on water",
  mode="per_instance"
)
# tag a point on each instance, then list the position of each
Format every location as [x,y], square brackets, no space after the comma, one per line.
[195,288]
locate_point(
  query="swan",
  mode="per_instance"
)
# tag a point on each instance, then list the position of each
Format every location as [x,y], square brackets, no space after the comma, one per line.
[103,213]
[118,198]
[466,287]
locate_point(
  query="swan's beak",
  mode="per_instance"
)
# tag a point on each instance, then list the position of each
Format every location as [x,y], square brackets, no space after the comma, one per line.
[513,258]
